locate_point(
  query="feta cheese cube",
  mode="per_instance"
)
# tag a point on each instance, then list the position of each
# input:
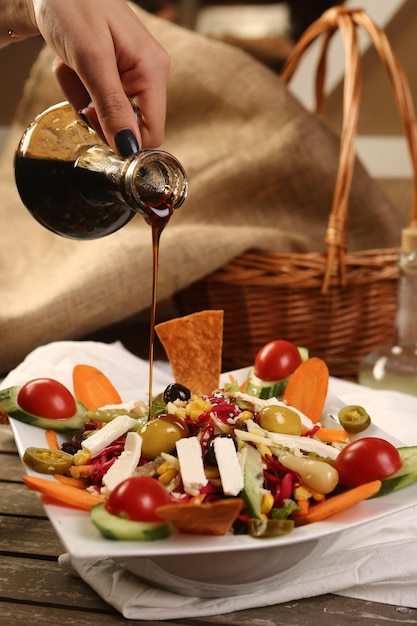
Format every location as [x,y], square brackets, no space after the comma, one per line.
[230,471]
[191,465]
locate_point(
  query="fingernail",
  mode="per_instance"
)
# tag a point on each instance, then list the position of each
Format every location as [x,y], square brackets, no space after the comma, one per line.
[126,142]
[84,117]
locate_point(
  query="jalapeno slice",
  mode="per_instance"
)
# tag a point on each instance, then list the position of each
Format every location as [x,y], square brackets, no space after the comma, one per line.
[265,528]
[354,418]
[46,461]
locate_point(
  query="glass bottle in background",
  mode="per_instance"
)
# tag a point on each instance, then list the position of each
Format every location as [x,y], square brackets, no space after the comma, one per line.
[76,186]
[395,366]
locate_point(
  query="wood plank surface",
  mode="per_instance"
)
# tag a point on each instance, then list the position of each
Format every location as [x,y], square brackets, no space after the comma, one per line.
[35,590]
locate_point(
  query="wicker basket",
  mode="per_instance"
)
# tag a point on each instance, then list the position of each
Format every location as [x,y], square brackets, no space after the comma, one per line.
[340,305]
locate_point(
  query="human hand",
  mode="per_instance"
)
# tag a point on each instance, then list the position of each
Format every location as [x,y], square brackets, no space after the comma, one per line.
[106,56]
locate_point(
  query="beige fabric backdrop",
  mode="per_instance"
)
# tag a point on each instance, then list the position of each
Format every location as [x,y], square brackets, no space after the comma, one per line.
[261,173]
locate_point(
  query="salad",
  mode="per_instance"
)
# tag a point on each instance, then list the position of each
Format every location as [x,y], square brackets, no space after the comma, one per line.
[236,460]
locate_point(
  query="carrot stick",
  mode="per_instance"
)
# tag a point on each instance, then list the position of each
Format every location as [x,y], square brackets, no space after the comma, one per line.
[307,388]
[337,504]
[52,440]
[62,494]
[331,435]
[79,483]
[93,388]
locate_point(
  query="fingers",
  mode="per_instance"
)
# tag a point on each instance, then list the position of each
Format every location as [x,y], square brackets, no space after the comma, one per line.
[113,59]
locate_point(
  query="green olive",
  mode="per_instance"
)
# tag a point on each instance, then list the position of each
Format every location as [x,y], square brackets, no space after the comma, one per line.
[280,419]
[161,434]
[354,419]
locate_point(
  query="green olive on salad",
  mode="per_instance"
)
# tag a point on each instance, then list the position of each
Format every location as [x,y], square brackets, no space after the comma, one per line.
[280,419]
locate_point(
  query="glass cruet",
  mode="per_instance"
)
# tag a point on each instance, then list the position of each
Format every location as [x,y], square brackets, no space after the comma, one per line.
[78,187]
[395,366]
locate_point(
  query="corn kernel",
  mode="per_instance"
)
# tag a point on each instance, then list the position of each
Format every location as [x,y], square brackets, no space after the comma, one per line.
[164,467]
[301,493]
[245,415]
[167,476]
[316,495]
[81,457]
[196,407]
[264,450]
[267,503]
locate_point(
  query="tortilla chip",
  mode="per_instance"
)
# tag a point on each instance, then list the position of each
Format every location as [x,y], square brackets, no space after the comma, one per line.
[193,345]
[212,518]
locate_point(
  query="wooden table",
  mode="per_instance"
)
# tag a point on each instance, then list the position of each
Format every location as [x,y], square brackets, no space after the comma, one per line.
[34,590]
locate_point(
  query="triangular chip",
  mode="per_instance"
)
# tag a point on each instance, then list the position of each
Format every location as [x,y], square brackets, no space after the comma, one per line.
[213,518]
[193,345]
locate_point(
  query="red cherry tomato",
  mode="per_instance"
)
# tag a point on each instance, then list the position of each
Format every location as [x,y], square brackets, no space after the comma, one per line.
[46,397]
[367,459]
[277,360]
[137,498]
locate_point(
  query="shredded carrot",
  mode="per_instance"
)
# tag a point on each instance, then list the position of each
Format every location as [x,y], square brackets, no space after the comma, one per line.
[331,435]
[307,388]
[244,385]
[79,471]
[303,505]
[79,483]
[92,388]
[52,440]
[337,503]
[62,494]
[197,499]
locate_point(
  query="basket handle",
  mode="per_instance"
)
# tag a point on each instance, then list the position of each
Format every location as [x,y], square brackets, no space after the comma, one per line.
[347,20]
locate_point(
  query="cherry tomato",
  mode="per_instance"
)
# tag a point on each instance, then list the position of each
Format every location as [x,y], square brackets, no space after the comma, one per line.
[137,498]
[46,397]
[276,360]
[366,459]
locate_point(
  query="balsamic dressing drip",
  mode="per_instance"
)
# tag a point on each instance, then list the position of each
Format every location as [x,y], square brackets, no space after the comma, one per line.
[157,218]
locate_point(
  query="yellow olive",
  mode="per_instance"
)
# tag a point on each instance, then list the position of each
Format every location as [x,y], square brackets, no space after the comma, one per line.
[315,474]
[280,419]
[161,434]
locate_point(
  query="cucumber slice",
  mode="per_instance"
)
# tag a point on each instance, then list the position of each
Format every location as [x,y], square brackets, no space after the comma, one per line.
[263,389]
[8,402]
[406,475]
[114,527]
[253,480]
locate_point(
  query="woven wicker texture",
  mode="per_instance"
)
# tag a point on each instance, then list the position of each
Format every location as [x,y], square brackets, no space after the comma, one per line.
[338,304]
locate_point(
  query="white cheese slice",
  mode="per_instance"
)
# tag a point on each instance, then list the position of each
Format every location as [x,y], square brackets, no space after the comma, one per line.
[125,464]
[110,432]
[231,474]
[258,403]
[191,465]
[292,442]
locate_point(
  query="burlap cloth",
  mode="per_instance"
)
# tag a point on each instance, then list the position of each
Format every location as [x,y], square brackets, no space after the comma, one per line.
[261,173]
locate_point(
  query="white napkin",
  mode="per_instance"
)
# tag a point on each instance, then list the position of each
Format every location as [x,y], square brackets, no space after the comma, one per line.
[376,561]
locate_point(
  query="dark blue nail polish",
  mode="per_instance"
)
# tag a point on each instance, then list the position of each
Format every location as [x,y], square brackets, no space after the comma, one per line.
[126,142]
